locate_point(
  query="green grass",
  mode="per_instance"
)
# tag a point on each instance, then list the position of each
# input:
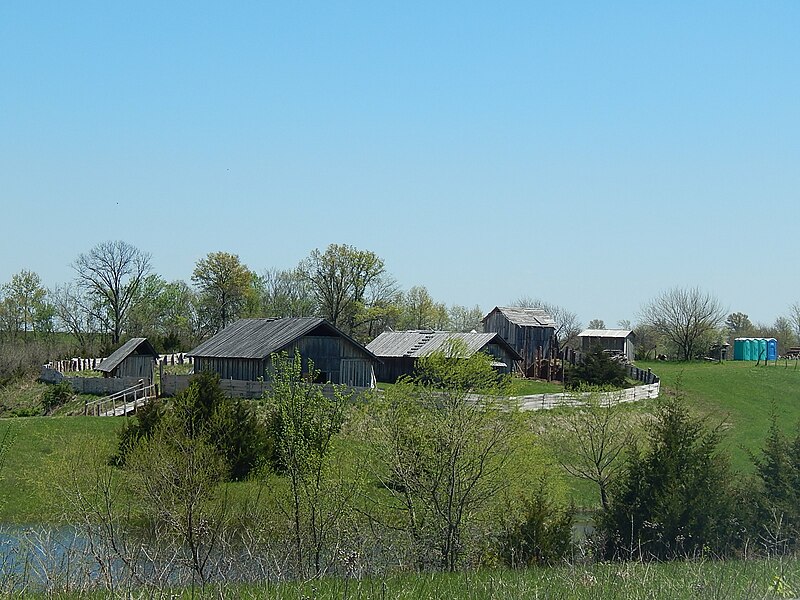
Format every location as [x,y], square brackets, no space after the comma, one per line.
[739,395]
[45,458]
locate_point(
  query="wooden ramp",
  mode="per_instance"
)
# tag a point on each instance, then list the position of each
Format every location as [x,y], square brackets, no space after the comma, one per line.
[121,403]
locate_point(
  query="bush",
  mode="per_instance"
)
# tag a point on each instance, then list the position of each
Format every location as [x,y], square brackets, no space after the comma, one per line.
[57,395]
[597,369]
[676,499]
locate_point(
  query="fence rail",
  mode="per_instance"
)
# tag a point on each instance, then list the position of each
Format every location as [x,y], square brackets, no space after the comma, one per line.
[121,403]
[548,401]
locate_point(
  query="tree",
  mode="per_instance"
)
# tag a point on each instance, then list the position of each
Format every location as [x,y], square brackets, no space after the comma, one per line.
[350,286]
[420,311]
[597,368]
[590,442]
[303,423]
[24,304]
[676,498]
[465,319]
[110,275]
[284,293]
[224,284]
[76,313]
[738,324]
[794,317]
[567,324]
[443,452]
[685,317]
[596,324]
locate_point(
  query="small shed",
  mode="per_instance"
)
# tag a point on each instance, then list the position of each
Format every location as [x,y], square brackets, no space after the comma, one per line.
[619,341]
[243,350]
[400,350]
[135,358]
[529,331]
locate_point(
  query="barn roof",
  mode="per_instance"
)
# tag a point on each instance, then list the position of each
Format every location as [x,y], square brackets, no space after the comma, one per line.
[422,342]
[258,338]
[605,333]
[525,317]
[133,346]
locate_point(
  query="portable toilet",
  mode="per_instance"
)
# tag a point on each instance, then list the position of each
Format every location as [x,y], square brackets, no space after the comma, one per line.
[762,349]
[772,349]
[738,349]
[748,349]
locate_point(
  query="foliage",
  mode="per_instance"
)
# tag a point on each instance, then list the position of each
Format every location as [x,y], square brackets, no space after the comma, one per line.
[738,324]
[203,412]
[685,317]
[598,368]
[284,293]
[675,498]
[57,395]
[304,422]
[23,305]
[541,536]
[443,452]
[224,284]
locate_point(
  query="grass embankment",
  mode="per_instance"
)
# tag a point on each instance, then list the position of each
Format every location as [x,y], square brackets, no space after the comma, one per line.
[46,459]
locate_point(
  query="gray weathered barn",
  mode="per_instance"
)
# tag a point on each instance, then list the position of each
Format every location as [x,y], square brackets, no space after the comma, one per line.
[243,350]
[400,350]
[614,340]
[135,358]
[529,331]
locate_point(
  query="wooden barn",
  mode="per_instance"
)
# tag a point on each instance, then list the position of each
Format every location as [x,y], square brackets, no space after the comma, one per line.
[400,350]
[529,331]
[135,358]
[617,341]
[243,350]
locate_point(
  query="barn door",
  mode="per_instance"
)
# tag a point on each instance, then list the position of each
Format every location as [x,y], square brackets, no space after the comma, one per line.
[356,372]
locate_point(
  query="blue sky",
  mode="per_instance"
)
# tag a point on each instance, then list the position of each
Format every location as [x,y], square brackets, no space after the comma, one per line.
[591,155]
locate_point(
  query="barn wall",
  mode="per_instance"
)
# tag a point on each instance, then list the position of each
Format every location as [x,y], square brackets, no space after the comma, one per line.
[525,340]
[135,366]
[242,369]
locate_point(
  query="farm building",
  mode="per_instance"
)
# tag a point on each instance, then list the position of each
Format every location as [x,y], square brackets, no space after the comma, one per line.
[529,331]
[619,341]
[243,350]
[400,350]
[135,358]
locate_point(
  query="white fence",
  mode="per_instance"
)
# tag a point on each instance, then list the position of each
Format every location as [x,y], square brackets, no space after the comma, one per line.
[76,365]
[547,401]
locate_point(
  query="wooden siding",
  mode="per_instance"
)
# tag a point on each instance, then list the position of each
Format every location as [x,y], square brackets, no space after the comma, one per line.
[240,369]
[530,342]
[617,344]
[136,365]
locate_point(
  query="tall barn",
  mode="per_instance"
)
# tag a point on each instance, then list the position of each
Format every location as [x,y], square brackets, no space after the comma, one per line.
[400,350]
[135,358]
[242,351]
[529,331]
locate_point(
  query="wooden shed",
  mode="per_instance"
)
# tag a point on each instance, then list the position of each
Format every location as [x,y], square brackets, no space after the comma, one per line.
[135,358]
[618,341]
[529,331]
[400,350]
[243,350]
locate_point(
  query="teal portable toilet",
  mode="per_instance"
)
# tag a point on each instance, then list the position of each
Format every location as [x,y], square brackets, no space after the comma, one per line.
[762,349]
[738,349]
[772,349]
[748,349]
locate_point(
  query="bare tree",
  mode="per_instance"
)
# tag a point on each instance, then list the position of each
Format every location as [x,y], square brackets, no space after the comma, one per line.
[685,317]
[110,274]
[794,317]
[76,314]
[568,326]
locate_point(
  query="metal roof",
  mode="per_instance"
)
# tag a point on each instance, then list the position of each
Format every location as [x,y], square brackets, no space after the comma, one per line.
[120,354]
[525,317]
[258,338]
[605,333]
[422,342]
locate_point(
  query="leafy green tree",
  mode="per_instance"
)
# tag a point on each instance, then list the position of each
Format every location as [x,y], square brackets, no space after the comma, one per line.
[738,324]
[225,285]
[598,368]
[304,422]
[24,305]
[465,319]
[443,451]
[675,498]
[596,324]
[110,276]
[284,293]
[420,311]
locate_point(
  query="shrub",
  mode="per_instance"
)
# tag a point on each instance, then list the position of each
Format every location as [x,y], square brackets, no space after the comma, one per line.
[57,395]
[597,369]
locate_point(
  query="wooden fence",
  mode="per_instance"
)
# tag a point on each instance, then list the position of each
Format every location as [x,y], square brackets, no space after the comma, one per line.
[548,401]
[76,365]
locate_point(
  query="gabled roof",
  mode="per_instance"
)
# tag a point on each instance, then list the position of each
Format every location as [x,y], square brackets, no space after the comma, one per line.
[258,338]
[133,346]
[524,317]
[423,342]
[606,333]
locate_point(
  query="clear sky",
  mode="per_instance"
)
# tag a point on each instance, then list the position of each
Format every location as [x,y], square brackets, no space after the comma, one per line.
[590,154]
